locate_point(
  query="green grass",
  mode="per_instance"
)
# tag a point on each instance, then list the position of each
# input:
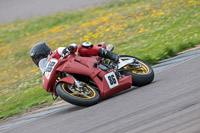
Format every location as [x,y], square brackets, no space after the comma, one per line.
[149,29]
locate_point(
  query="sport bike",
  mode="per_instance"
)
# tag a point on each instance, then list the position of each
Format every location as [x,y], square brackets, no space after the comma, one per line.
[84,81]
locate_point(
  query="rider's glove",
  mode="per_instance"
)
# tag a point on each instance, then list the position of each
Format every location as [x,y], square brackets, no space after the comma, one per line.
[68,50]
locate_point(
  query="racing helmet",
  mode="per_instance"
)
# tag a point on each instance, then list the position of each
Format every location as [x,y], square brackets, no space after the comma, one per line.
[39,51]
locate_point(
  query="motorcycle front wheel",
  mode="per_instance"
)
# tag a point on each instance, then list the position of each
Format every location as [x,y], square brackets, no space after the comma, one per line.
[140,76]
[86,96]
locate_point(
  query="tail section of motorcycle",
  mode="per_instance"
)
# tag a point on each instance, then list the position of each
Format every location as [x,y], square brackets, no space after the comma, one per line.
[142,73]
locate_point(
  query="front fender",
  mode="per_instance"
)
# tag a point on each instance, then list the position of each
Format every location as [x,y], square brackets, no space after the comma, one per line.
[69,79]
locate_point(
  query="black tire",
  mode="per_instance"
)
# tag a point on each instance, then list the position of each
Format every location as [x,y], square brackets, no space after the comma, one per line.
[62,89]
[140,76]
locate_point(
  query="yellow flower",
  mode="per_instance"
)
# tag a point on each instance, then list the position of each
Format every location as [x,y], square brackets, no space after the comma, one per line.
[141,30]
[193,3]
[21,76]
[148,7]
[34,70]
[108,29]
[4,48]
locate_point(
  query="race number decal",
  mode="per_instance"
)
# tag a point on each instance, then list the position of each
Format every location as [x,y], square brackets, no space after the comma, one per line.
[111,79]
[50,65]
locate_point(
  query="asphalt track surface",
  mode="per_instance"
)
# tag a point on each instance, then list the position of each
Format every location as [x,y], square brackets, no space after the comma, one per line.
[12,10]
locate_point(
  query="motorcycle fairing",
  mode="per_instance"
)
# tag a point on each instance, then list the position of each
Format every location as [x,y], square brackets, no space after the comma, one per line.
[84,66]
[79,65]
[105,91]
[69,79]
[49,77]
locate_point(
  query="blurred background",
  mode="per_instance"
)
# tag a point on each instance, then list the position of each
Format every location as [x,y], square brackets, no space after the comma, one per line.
[152,30]
[12,10]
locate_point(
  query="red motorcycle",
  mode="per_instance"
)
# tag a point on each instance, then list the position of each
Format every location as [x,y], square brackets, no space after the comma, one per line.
[84,81]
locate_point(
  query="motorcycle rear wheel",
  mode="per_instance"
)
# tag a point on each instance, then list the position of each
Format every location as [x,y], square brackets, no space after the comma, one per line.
[62,89]
[141,76]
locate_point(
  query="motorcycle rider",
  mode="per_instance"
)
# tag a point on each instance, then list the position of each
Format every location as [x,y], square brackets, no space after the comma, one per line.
[41,52]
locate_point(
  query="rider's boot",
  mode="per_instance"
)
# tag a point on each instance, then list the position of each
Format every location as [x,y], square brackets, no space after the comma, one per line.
[108,54]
